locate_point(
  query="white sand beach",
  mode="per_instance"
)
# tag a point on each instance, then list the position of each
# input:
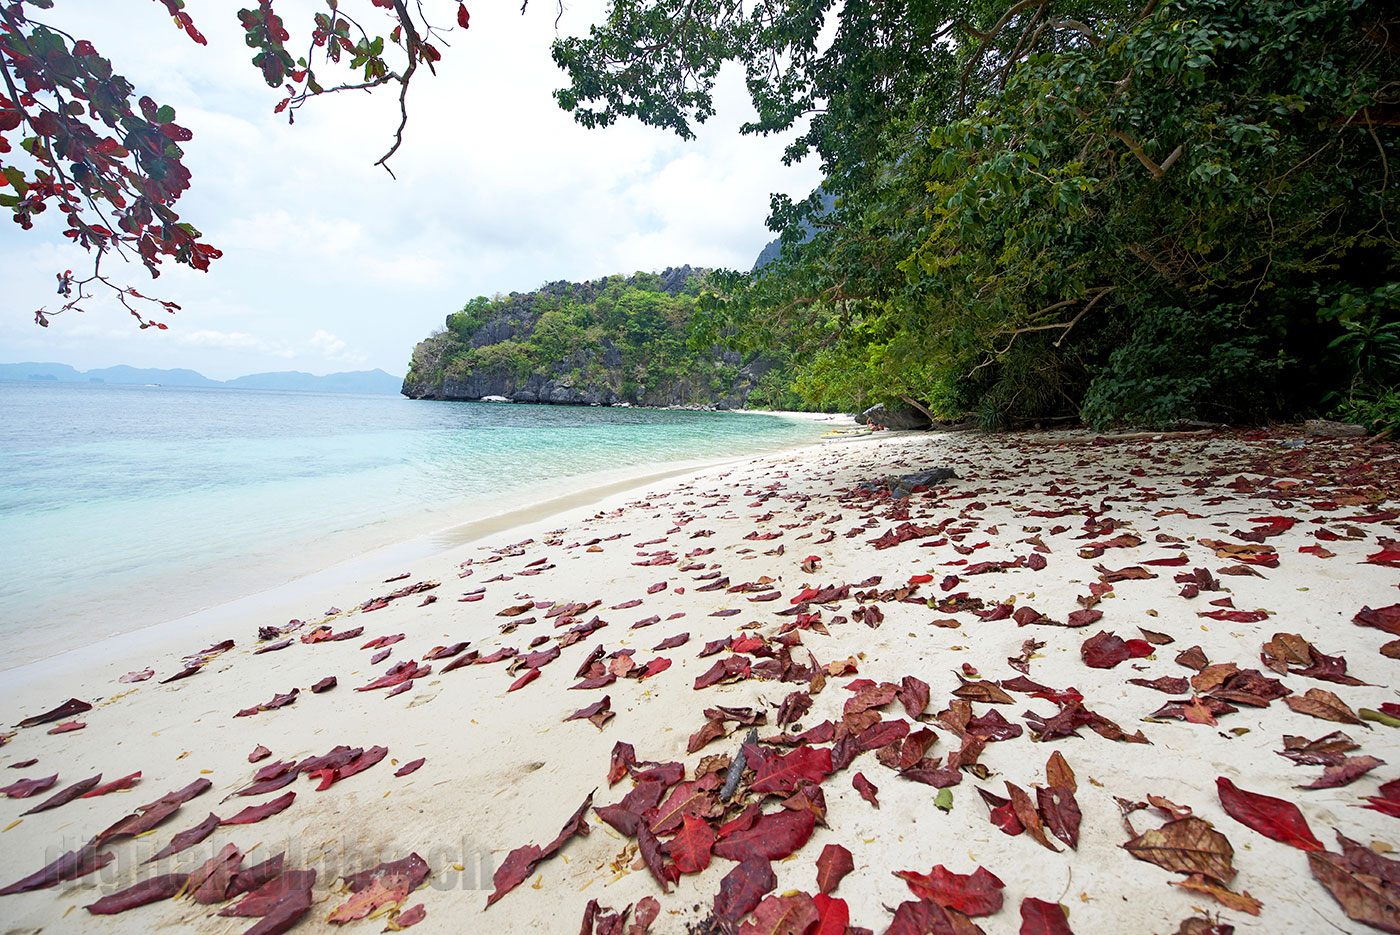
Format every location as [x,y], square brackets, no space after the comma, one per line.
[1275,534]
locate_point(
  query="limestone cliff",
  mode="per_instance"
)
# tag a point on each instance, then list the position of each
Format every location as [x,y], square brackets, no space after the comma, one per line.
[601,343]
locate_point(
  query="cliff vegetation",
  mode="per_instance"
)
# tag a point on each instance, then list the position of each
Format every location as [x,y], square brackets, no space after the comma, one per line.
[606,342]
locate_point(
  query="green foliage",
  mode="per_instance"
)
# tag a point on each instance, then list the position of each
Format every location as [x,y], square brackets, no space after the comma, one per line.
[1377,409]
[1126,212]
[628,335]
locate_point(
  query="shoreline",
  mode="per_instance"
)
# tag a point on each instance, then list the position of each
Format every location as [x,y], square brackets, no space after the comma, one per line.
[263,584]
[505,767]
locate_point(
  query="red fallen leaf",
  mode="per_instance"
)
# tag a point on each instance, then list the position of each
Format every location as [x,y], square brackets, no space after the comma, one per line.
[1168,684]
[1388,557]
[654,667]
[1039,917]
[210,881]
[147,891]
[245,881]
[886,732]
[69,708]
[287,896]
[188,838]
[688,798]
[65,795]
[1383,618]
[832,866]
[731,668]
[1001,813]
[256,813]
[332,774]
[1271,817]
[21,764]
[834,916]
[652,856]
[655,588]
[642,917]
[259,753]
[1106,650]
[514,870]
[24,788]
[742,889]
[791,914]
[70,866]
[411,767]
[671,642]
[771,837]
[1082,618]
[690,848]
[626,815]
[1060,812]
[326,684]
[974,894]
[1235,616]
[529,676]
[866,788]
[116,785]
[67,726]
[1344,773]
[913,695]
[140,676]
[411,917]
[1168,562]
[783,773]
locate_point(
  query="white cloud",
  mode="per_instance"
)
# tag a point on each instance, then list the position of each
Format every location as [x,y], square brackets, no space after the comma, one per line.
[206,338]
[497,191]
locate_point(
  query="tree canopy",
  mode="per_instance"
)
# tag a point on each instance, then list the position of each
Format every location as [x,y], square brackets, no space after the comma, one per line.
[1121,211]
[111,162]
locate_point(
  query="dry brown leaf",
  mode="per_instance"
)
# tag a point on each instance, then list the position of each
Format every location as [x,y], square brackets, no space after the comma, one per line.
[1320,703]
[1026,813]
[1058,773]
[1186,845]
[1240,902]
[1284,650]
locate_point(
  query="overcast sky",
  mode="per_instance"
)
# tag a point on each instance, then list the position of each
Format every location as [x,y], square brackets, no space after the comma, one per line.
[329,264]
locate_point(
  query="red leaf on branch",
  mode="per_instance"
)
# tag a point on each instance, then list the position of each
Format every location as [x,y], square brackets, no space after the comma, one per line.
[1271,817]
[463,17]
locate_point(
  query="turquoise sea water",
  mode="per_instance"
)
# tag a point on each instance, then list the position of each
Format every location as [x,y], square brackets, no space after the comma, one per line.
[127,505]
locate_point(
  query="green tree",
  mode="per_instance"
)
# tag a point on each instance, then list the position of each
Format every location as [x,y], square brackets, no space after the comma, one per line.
[1123,211]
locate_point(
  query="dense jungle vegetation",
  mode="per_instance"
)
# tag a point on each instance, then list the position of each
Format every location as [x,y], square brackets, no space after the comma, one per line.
[1126,212]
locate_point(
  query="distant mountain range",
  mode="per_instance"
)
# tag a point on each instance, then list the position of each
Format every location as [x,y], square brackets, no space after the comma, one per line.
[355,381]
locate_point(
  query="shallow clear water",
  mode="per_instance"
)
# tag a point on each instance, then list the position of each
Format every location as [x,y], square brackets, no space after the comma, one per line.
[127,505]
